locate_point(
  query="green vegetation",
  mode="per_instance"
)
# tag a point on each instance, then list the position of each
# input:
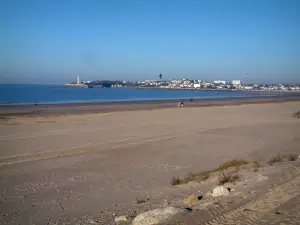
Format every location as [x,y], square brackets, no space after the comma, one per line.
[276,159]
[204,175]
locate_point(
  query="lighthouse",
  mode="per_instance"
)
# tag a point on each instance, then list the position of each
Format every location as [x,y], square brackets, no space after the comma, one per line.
[76,84]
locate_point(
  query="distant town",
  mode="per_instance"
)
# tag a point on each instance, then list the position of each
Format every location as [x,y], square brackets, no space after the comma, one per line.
[184,84]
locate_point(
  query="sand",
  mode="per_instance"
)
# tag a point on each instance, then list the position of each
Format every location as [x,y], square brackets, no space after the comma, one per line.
[62,166]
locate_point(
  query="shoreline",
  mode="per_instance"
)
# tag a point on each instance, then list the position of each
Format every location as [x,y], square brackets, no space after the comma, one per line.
[106,107]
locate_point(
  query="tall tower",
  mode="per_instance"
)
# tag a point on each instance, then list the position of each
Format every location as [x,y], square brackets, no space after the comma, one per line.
[78,81]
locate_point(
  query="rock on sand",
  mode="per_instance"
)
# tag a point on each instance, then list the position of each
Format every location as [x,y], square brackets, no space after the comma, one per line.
[121,219]
[220,191]
[155,216]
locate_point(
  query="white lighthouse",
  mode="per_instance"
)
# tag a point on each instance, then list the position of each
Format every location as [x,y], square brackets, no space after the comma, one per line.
[77,84]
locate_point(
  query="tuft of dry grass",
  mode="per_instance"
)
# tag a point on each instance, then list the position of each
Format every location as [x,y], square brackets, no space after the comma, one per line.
[229,177]
[292,157]
[230,164]
[276,159]
[175,181]
[204,175]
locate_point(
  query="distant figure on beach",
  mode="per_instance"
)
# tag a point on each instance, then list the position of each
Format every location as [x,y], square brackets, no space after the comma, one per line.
[36,103]
[180,104]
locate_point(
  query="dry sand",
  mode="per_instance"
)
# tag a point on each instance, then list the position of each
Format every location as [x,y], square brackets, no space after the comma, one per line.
[58,167]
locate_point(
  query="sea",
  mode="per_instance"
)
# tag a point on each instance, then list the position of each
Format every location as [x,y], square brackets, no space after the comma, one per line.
[15,94]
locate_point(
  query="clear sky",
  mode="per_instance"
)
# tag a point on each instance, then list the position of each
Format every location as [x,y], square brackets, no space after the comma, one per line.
[53,41]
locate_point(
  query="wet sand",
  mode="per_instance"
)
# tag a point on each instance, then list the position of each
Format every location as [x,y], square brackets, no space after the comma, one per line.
[56,167]
[83,108]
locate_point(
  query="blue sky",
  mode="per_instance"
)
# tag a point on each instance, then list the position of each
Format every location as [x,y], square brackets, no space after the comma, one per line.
[53,41]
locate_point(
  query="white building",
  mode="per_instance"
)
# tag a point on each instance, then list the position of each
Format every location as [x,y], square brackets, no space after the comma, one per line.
[220,82]
[236,82]
[197,85]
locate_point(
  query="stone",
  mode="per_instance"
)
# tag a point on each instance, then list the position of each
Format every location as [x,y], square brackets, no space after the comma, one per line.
[120,219]
[299,156]
[220,191]
[155,216]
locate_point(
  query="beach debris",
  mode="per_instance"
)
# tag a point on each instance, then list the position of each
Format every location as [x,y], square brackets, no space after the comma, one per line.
[220,191]
[187,210]
[155,216]
[121,219]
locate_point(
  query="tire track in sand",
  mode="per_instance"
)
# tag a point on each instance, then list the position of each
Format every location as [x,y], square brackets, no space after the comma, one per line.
[255,210]
[57,132]
[83,149]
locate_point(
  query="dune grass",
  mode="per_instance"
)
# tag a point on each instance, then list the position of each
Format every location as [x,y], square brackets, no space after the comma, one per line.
[204,175]
[228,177]
[276,159]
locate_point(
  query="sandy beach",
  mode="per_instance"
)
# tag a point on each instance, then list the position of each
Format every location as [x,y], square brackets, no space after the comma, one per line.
[55,165]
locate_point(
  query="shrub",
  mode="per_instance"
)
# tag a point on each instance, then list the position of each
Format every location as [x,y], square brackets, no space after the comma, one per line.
[292,157]
[175,181]
[276,159]
[229,177]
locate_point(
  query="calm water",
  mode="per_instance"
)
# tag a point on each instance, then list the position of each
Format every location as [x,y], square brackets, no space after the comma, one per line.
[28,94]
